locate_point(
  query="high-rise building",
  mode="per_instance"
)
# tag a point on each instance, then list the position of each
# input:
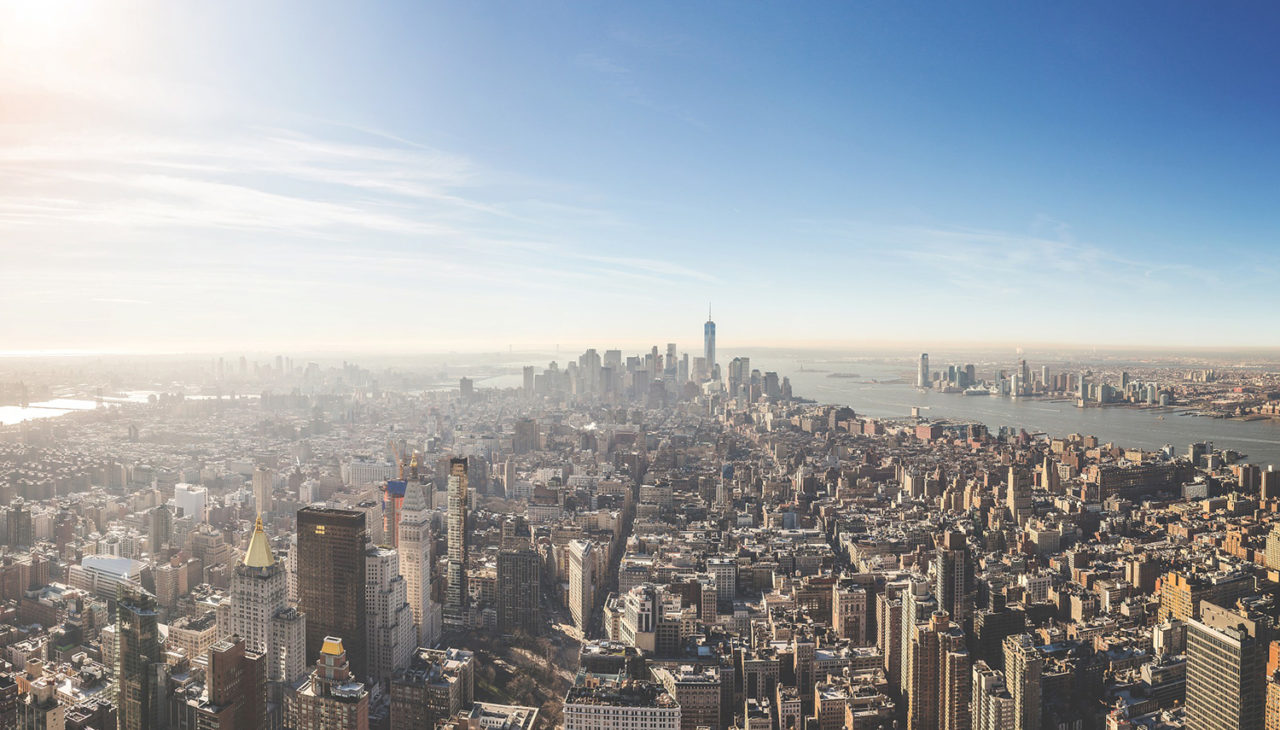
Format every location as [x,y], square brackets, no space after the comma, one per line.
[140,660]
[455,608]
[519,591]
[938,688]
[161,527]
[992,705]
[582,582]
[1227,653]
[263,484]
[331,582]
[330,698]
[237,696]
[918,606]
[416,558]
[1023,666]
[1018,494]
[392,636]
[922,373]
[954,577]
[261,615]
[709,345]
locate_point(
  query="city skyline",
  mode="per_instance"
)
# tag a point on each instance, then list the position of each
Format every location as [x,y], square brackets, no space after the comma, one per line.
[272,178]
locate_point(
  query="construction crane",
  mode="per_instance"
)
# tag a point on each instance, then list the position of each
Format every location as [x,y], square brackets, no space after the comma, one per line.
[399,457]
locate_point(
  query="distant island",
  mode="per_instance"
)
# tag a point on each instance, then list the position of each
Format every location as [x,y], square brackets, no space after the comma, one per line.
[843,375]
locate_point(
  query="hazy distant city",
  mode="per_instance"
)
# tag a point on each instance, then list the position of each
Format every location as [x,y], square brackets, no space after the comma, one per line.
[639,366]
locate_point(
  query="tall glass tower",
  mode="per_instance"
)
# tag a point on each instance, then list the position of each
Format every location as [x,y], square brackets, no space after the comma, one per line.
[709,344]
[455,609]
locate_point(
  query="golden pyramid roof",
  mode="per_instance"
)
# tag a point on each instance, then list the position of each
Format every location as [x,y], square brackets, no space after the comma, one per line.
[259,553]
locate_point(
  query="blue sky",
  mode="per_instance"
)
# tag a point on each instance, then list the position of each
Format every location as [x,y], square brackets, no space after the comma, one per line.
[423,176]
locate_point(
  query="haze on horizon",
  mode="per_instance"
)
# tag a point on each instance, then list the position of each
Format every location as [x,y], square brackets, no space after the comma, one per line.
[425,177]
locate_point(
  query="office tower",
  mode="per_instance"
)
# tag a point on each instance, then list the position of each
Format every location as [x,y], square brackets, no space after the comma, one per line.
[263,484]
[1018,494]
[466,389]
[392,637]
[922,372]
[191,500]
[527,436]
[709,346]
[582,582]
[1023,665]
[161,527]
[519,591]
[331,698]
[261,615]
[140,660]
[1226,668]
[434,687]
[725,571]
[237,688]
[954,577]
[1269,483]
[992,705]
[528,374]
[1044,376]
[938,688]
[455,607]
[331,582]
[416,541]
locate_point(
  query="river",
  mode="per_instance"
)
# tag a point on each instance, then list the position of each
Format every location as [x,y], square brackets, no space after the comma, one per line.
[1143,428]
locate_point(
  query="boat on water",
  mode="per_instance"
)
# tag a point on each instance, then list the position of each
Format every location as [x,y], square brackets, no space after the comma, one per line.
[976,390]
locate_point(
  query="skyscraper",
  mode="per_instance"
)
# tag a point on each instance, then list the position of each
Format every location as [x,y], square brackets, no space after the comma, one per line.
[918,606]
[416,560]
[263,484]
[331,698]
[954,571]
[922,374]
[261,615]
[582,582]
[455,609]
[1226,669]
[392,637]
[938,688]
[331,581]
[140,659]
[1018,494]
[519,590]
[1023,666]
[709,345]
[237,687]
